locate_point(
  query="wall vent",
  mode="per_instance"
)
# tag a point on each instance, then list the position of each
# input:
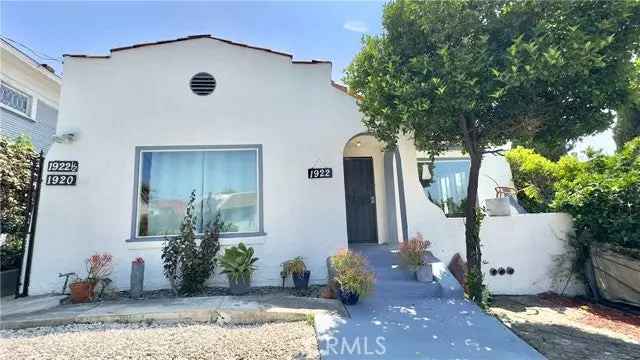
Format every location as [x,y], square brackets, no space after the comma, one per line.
[203,83]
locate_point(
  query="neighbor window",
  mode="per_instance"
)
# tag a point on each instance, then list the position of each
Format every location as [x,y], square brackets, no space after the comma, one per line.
[225,181]
[15,99]
[445,183]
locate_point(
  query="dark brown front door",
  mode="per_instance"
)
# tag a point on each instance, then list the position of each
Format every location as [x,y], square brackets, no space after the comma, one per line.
[360,199]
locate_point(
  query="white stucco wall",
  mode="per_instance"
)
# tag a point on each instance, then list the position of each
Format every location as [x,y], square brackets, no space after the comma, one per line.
[529,243]
[141,97]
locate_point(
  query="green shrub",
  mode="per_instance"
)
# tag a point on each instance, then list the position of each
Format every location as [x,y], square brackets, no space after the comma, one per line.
[238,262]
[352,273]
[601,194]
[603,198]
[16,161]
[535,177]
[186,265]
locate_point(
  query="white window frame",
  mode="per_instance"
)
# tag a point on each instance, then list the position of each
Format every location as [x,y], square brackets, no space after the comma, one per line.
[33,100]
[140,150]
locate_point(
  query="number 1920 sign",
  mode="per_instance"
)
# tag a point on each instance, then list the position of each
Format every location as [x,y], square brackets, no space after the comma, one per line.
[62,179]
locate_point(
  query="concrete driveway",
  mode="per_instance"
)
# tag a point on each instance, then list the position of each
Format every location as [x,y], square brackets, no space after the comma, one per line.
[404,319]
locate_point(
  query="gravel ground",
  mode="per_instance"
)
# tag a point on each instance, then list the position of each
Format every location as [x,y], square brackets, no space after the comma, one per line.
[293,340]
[563,328]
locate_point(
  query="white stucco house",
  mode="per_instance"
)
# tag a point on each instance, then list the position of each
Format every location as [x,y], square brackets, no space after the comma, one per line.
[275,146]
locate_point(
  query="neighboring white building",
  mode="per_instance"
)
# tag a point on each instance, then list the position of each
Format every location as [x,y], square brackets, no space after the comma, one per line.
[29,93]
[146,135]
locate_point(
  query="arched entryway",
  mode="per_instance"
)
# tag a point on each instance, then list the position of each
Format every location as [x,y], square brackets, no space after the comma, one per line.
[373,196]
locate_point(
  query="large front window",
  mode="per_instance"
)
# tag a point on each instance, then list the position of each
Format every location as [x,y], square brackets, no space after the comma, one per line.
[445,183]
[225,181]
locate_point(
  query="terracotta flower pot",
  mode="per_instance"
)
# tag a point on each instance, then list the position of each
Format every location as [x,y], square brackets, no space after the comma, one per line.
[81,292]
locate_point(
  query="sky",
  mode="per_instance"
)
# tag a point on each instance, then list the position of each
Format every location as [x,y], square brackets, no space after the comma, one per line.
[308,30]
[323,30]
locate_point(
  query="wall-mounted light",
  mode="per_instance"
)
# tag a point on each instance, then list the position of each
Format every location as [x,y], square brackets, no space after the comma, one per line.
[65,137]
[358,143]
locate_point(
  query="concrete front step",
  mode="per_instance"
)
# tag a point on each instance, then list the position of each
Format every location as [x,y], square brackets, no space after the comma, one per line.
[391,274]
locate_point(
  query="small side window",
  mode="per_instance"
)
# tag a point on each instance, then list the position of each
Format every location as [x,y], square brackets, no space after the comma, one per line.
[15,99]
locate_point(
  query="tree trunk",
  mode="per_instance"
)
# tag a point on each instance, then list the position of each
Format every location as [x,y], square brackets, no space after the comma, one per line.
[474,255]
[473,277]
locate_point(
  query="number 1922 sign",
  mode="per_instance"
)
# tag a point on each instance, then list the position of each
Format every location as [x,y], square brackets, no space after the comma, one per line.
[320,173]
[63,166]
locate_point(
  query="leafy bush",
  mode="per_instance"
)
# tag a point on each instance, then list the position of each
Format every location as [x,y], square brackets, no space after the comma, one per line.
[11,253]
[238,262]
[352,273]
[604,199]
[535,177]
[16,161]
[186,265]
[412,252]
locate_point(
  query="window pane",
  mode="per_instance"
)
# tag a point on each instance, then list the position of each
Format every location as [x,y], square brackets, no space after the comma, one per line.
[445,184]
[231,188]
[15,99]
[166,181]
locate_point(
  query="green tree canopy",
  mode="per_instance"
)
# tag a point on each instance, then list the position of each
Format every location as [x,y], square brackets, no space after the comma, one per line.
[483,73]
[628,123]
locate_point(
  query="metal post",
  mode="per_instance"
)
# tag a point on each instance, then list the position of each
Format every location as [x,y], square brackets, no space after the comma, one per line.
[27,220]
[32,227]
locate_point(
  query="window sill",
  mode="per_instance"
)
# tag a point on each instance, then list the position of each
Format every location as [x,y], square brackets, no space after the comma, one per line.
[156,242]
[17,113]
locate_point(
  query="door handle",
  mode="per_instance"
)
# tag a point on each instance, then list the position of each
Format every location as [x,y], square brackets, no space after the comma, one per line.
[373,199]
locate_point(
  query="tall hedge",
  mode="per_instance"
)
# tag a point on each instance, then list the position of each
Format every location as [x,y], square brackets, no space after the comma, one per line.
[535,177]
[16,159]
[604,198]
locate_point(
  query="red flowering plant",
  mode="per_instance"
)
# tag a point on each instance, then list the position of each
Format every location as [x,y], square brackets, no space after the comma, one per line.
[412,252]
[99,267]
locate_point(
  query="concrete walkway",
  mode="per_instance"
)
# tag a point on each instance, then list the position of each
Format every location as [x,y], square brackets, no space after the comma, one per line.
[404,320]
[219,309]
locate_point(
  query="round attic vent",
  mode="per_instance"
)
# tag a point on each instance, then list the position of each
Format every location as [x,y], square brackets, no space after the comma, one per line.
[203,83]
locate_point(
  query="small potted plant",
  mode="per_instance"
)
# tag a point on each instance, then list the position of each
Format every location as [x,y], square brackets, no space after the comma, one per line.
[298,271]
[352,276]
[137,278]
[99,267]
[412,254]
[238,263]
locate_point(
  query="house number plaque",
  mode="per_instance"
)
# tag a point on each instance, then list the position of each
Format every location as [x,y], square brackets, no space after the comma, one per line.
[64,167]
[62,179]
[320,173]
